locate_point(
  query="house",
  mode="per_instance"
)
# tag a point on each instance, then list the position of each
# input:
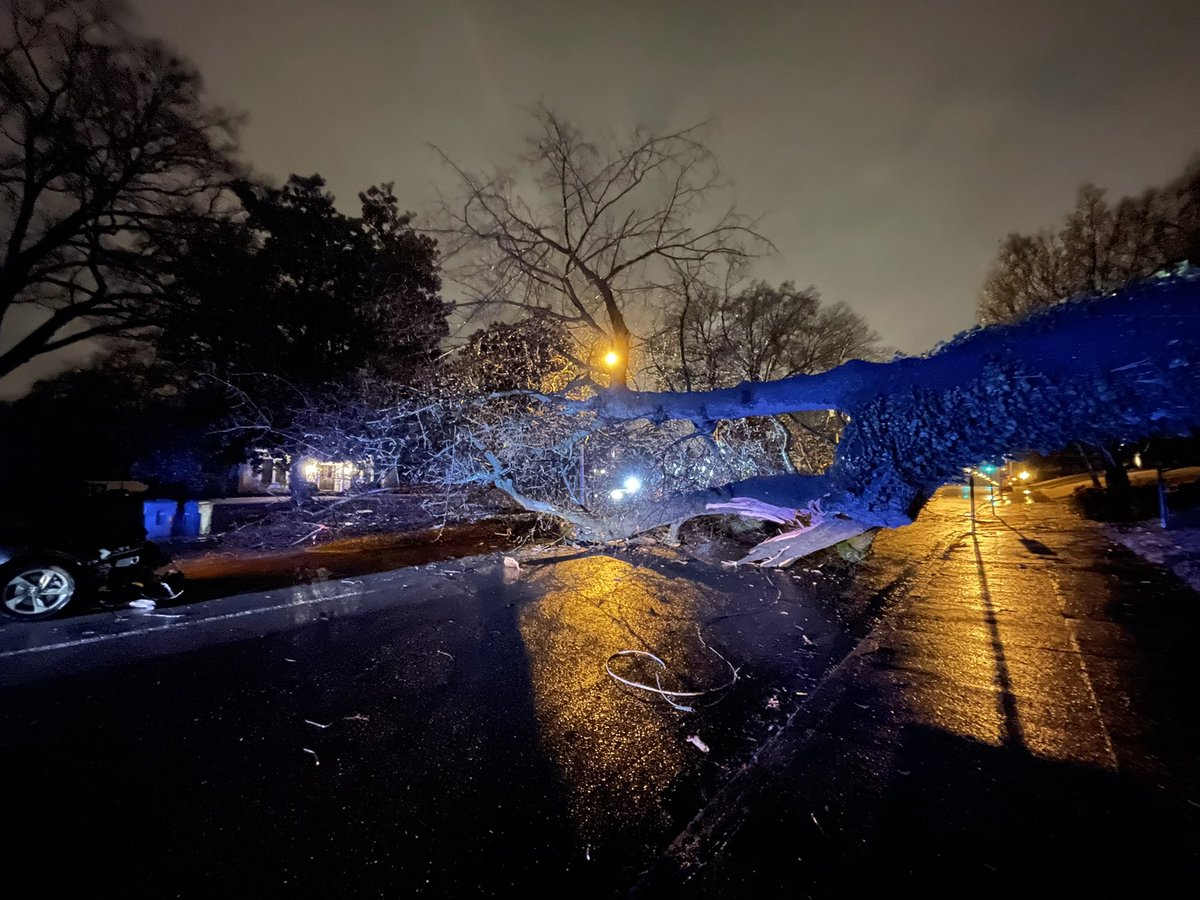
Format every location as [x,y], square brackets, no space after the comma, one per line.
[331,477]
[263,472]
[268,472]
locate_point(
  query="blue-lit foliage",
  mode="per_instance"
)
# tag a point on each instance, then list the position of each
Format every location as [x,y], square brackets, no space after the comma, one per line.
[1115,368]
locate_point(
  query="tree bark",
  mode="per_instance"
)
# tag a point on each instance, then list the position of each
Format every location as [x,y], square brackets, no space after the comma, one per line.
[1118,368]
[1087,461]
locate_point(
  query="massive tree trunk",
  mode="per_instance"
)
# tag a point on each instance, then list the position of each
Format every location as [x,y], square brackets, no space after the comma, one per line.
[1117,368]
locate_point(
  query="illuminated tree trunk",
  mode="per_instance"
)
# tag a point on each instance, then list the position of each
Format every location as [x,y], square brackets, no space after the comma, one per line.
[1118,368]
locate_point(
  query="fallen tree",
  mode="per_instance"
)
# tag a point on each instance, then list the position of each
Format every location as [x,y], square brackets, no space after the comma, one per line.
[1120,367]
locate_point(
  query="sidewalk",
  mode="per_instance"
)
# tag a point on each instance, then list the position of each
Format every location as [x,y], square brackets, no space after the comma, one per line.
[1024,718]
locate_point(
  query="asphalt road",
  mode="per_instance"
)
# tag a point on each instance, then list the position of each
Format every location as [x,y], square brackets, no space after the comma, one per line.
[1021,722]
[445,730]
[958,703]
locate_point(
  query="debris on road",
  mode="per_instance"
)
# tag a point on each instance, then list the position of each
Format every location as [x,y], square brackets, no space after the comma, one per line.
[316,724]
[657,687]
[142,603]
[312,534]
[694,740]
[512,570]
[316,759]
[813,816]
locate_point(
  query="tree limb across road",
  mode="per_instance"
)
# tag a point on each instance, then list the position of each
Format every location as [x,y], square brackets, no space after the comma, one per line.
[1120,367]
[612,462]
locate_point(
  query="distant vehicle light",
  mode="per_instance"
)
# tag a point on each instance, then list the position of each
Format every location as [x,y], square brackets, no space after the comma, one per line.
[1024,476]
[633,484]
[617,494]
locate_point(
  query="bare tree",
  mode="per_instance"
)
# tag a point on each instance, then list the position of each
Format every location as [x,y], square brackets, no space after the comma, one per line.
[582,230]
[106,153]
[1183,228]
[1099,248]
[1029,273]
[720,335]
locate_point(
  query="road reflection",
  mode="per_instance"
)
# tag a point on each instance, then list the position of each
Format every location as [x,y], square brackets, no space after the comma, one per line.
[616,747]
[1000,657]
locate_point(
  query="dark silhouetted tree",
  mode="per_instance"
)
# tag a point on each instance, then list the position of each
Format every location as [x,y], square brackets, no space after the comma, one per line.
[107,155]
[105,422]
[298,291]
[716,337]
[1183,231]
[1099,248]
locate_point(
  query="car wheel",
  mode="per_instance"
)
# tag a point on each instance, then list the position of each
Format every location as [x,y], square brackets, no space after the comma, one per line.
[35,589]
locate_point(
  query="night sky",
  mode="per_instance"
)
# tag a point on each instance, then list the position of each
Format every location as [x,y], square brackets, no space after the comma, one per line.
[889,145]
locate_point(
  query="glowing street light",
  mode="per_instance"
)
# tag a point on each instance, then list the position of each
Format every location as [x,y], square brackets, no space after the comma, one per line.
[633,484]
[611,358]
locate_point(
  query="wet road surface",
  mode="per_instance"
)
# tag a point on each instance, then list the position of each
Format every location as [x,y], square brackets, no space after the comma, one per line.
[1014,700]
[444,730]
[1023,720]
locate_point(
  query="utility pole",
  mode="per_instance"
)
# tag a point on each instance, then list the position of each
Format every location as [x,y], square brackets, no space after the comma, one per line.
[971,482]
[1164,514]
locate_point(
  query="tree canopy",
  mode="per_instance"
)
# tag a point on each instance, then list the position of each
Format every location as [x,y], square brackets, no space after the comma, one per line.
[715,336]
[297,290]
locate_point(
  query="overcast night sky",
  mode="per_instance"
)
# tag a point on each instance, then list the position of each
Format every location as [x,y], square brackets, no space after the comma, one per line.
[889,145]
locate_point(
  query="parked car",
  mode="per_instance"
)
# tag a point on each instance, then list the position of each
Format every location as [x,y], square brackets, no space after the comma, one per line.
[73,551]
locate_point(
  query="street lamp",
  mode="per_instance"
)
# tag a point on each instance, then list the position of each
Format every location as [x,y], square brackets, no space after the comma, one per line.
[611,358]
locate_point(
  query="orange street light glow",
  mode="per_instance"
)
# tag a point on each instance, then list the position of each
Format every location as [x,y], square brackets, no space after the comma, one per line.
[611,358]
